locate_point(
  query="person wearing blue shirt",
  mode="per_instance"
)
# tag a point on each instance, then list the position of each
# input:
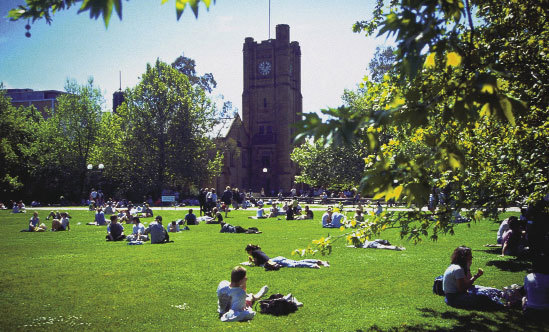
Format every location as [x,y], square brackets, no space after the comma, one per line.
[115,231]
[190,218]
[34,222]
[100,217]
[157,231]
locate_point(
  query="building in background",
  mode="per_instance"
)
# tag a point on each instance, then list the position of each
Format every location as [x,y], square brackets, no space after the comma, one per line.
[117,99]
[40,99]
[257,148]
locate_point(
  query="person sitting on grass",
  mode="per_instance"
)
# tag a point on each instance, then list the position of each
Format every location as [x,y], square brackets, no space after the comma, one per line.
[138,231]
[147,211]
[157,231]
[260,213]
[513,242]
[535,304]
[190,218]
[233,303]
[457,283]
[99,218]
[109,209]
[65,222]
[34,222]
[15,208]
[259,258]
[172,227]
[115,231]
[332,219]
[289,213]
[307,214]
[273,212]
[58,225]
[228,228]
[217,217]
[503,227]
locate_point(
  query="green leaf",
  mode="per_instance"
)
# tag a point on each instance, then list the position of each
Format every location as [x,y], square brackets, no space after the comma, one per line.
[507,110]
[180,7]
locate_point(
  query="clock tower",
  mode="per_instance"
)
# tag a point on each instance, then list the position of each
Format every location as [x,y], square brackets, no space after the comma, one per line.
[271,104]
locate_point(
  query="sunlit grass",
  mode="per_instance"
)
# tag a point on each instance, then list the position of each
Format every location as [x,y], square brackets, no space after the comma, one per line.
[77,280]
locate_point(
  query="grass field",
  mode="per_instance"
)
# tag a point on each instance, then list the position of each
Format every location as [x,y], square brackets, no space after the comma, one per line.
[77,281]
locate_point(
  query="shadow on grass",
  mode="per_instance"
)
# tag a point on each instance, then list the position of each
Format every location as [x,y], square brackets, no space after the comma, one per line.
[515,265]
[493,250]
[507,320]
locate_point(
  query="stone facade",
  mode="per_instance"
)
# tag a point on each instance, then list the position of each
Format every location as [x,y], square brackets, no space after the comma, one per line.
[271,104]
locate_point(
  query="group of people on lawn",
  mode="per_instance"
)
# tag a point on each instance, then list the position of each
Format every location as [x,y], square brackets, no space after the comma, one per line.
[517,236]
[234,303]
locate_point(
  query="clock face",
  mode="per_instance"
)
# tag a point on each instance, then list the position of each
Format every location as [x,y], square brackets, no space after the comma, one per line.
[264,68]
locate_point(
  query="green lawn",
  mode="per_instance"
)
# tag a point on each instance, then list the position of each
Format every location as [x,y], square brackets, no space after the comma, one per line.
[77,280]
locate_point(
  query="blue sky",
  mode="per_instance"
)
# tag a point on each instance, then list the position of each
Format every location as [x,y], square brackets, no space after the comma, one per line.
[74,46]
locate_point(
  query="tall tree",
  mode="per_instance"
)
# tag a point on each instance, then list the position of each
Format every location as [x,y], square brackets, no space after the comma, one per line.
[382,63]
[17,127]
[166,120]
[187,66]
[330,167]
[466,108]
[66,139]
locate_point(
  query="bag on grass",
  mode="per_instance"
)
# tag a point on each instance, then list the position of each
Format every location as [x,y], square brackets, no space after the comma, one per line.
[437,286]
[277,305]
[271,266]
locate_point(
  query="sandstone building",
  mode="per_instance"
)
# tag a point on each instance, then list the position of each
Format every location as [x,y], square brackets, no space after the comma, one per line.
[257,147]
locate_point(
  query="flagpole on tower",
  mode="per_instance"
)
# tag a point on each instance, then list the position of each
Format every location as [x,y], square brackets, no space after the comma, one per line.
[269,19]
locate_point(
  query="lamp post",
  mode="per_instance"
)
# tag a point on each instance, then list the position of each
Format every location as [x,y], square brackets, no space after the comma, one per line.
[265,170]
[100,168]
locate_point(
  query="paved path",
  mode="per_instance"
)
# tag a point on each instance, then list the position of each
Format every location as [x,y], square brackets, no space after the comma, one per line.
[195,208]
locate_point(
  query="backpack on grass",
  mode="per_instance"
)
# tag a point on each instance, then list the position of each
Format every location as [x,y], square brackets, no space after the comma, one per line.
[437,286]
[277,305]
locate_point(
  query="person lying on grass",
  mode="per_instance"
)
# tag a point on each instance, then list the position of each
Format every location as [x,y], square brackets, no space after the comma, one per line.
[259,258]
[378,244]
[228,228]
[115,231]
[458,287]
[233,303]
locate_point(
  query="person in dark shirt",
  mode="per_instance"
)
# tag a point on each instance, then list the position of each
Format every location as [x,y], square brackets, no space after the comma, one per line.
[190,218]
[217,217]
[115,230]
[259,258]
